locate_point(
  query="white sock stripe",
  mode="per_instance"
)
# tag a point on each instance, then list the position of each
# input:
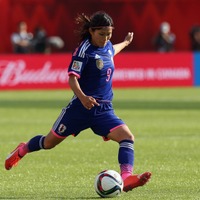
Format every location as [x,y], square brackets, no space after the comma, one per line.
[40,142]
[126,145]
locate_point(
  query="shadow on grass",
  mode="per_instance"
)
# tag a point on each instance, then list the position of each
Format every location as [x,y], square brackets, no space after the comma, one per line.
[4,198]
[89,198]
[118,104]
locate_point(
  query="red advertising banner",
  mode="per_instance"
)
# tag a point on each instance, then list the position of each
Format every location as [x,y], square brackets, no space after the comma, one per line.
[132,70]
[34,71]
[153,70]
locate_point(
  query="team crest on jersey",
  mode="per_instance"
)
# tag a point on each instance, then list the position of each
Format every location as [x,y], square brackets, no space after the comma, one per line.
[99,64]
[62,128]
[77,65]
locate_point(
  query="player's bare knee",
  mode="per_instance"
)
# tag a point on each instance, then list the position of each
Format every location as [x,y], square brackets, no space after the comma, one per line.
[129,137]
[127,134]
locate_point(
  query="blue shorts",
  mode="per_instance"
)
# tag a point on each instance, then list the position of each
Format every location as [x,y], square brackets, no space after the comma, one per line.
[75,118]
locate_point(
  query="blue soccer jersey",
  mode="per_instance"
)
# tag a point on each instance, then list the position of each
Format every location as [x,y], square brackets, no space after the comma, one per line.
[94,68]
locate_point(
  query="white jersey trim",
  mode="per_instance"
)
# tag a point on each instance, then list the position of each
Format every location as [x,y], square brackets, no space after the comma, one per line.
[84,47]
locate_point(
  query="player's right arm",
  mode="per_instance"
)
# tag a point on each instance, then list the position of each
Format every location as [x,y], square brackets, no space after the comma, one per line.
[79,61]
[87,101]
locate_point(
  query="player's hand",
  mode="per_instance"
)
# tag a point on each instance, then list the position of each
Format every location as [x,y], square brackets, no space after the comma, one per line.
[89,102]
[128,39]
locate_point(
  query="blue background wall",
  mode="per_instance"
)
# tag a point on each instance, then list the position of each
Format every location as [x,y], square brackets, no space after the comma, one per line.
[196,69]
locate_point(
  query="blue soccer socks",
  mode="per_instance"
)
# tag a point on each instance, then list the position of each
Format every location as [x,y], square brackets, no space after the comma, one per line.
[126,158]
[36,143]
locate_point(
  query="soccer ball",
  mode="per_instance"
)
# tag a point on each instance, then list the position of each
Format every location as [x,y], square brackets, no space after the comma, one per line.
[108,183]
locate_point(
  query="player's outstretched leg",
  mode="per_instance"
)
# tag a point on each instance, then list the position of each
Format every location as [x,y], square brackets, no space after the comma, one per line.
[134,181]
[14,157]
[35,144]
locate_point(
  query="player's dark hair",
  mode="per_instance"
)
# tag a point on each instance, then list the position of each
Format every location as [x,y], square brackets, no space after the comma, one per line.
[98,20]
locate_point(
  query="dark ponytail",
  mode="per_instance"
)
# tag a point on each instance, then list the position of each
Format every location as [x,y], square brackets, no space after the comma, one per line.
[84,24]
[98,20]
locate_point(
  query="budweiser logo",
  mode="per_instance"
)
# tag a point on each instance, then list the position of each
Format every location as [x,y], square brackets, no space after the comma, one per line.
[13,73]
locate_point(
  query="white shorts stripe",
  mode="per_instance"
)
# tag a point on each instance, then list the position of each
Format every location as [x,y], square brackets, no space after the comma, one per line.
[59,119]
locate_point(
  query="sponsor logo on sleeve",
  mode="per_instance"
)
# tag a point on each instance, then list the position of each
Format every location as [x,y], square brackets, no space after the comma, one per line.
[76,66]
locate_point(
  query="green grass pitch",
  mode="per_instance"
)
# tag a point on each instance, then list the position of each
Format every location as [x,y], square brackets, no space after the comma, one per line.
[166,125]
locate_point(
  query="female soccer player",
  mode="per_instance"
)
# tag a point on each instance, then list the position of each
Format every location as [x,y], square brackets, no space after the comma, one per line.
[90,77]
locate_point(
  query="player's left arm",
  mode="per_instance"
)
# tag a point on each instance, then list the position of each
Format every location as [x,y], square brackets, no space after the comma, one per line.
[128,39]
